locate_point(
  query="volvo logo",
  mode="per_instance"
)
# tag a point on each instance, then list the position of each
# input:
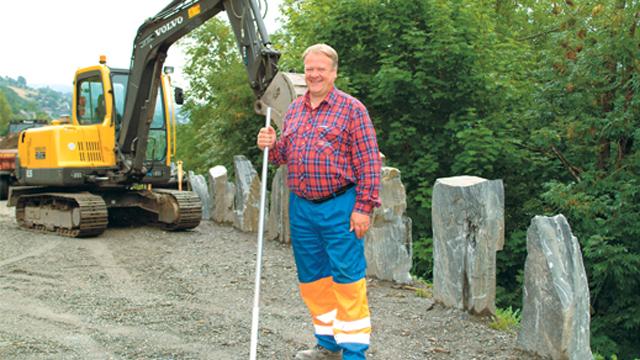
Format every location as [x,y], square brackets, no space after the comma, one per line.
[168,26]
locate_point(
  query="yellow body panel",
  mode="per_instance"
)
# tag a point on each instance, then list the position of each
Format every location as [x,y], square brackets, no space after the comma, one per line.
[68,146]
[75,145]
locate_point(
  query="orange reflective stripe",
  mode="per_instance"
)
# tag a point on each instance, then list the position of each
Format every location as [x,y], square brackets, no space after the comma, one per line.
[352,300]
[320,299]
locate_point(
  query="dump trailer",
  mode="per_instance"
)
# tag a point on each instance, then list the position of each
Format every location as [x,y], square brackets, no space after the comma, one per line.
[115,153]
[9,152]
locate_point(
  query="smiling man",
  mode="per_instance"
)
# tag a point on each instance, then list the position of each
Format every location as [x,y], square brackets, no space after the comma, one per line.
[329,146]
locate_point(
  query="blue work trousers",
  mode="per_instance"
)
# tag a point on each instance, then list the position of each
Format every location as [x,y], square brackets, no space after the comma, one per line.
[331,270]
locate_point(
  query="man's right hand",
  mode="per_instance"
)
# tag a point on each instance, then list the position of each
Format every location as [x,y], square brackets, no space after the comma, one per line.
[266,138]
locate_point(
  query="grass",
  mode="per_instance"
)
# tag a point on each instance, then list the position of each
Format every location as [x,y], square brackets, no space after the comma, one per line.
[423,288]
[507,320]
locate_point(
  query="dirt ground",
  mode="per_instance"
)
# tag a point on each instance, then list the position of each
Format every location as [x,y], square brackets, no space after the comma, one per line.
[142,293]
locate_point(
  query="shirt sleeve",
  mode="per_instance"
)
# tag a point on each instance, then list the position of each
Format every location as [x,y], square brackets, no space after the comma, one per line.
[278,154]
[366,161]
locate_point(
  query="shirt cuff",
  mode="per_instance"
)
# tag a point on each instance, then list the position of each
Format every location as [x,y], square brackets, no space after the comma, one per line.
[363,208]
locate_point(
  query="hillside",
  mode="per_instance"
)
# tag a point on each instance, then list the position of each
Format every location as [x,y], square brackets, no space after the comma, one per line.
[30,103]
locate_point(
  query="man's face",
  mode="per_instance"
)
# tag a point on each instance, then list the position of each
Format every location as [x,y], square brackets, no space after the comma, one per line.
[319,74]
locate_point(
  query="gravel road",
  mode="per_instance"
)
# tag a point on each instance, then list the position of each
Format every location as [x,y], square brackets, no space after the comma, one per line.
[142,293]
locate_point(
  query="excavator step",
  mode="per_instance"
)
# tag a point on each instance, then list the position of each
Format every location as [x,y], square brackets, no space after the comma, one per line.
[66,214]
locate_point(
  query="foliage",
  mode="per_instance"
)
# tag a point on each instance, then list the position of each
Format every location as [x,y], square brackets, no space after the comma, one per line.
[507,320]
[5,114]
[428,72]
[539,94]
[586,115]
[423,288]
[219,102]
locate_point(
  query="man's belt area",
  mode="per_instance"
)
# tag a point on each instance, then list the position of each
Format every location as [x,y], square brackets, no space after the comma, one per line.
[335,194]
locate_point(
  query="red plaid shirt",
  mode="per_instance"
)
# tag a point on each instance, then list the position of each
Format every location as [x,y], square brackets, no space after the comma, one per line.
[329,147]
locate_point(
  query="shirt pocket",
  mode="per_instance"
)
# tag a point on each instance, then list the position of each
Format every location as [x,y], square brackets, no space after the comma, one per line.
[328,139]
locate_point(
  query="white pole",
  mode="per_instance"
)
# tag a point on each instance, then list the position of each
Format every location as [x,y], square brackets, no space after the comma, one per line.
[256,297]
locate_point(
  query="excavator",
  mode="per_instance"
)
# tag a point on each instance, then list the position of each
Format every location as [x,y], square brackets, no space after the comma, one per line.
[115,151]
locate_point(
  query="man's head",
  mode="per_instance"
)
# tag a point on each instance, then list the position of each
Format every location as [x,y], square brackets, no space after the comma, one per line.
[320,69]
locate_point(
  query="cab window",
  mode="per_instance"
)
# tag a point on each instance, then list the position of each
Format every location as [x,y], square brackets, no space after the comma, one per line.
[157,146]
[91,107]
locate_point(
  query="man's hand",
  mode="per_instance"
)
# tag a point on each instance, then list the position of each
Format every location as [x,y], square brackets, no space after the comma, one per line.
[266,138]
[359,223]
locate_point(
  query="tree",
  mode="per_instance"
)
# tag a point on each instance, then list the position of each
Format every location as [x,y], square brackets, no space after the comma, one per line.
[585,116]
[539,94]
[5,114]
[22,82]
[429,73]
[219,102]
[542,95]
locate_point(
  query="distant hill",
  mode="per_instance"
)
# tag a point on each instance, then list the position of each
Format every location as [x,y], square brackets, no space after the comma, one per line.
[34,103]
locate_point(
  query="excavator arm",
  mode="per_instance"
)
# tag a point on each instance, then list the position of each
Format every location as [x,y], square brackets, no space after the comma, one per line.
[150,48]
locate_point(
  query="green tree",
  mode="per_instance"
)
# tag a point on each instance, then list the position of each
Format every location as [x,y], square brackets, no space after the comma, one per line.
[219,102]
[585,116]
[5,114]
[440,83]
[539,94]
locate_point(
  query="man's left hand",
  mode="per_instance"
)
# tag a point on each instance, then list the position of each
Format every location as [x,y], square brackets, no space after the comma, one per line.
[359,223]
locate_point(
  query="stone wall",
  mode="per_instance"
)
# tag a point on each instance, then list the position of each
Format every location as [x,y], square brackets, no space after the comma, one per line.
[388,243]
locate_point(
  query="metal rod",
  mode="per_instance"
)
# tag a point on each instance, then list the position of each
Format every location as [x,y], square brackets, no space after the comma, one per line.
[256,298]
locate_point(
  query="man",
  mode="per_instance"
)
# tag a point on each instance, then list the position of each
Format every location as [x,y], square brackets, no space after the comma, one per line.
[329,145]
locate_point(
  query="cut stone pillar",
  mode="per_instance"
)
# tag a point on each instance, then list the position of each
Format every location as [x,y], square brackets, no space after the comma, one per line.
[555,310]
[222,193]
[468,228]
[388,246]
[199,186]
[278,223]
[247,199]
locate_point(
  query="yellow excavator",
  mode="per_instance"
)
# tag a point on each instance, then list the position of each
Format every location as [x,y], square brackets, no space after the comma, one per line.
[116,150]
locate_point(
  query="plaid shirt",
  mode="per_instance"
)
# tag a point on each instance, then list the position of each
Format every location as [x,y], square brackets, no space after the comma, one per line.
[329,147]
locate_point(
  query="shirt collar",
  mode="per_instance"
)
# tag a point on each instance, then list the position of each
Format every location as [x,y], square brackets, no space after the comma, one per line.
[329,99]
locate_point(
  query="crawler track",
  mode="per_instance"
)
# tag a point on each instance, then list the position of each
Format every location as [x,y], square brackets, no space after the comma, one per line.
[189,209]
[66,214]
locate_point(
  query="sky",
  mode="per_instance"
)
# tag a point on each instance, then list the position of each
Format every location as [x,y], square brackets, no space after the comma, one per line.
[47,41]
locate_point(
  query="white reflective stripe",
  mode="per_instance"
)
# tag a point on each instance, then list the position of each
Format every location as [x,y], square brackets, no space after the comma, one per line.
[352,338]
[328,317]
[352,325]
[323,330]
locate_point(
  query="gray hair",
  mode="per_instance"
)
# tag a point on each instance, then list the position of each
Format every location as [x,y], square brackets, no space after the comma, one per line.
[322,49]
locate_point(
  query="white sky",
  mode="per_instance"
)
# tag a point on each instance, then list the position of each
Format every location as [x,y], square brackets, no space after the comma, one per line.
[46,41]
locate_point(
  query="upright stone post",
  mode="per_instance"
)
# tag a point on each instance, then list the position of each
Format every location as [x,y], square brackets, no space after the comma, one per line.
[247,200]
[199,185]
[555,310]
[468,229]
[278,221]
[387,244]
[222,193]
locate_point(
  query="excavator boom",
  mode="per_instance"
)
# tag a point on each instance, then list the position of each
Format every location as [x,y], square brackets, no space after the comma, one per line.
[150,48]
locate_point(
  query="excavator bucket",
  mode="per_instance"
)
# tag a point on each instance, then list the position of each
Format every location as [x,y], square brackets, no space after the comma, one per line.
[284,88]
